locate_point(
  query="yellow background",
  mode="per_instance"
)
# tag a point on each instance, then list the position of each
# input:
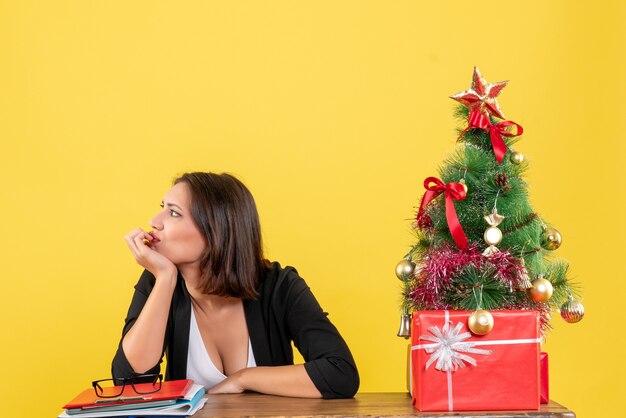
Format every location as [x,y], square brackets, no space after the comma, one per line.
[333,113]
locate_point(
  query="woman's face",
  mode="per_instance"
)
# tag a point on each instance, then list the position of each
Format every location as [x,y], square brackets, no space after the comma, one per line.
[178,237]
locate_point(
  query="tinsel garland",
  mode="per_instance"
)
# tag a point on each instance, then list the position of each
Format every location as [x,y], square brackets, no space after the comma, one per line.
[440,267]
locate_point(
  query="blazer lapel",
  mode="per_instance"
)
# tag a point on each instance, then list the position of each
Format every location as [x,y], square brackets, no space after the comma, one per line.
[180,321]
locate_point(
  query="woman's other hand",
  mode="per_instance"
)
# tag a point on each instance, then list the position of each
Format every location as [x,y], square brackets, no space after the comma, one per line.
[139,242]
[232,384]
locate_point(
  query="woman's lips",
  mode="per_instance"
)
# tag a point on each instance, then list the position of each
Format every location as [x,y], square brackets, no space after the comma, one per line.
[155,239]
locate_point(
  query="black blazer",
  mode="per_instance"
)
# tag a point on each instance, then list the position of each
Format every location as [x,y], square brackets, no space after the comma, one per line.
[284,311]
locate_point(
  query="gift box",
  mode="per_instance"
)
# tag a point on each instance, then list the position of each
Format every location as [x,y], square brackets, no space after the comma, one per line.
[455,370]
[544,390]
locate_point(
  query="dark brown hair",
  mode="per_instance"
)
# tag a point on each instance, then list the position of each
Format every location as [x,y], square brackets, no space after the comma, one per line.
[224,210]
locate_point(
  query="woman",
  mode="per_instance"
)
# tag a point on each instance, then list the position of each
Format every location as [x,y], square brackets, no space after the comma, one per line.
[217,308]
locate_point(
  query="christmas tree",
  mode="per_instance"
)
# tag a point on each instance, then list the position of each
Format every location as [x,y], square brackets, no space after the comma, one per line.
[480,245]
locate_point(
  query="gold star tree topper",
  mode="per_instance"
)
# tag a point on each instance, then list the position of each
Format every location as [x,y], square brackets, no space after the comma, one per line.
[482,96]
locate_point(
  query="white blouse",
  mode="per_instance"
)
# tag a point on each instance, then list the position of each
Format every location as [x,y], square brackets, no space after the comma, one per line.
[200,368]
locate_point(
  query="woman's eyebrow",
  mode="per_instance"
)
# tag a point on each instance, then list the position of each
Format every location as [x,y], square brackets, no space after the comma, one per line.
[172,204]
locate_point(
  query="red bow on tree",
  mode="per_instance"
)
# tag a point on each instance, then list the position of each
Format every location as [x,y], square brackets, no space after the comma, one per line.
[496,132]
[453,191]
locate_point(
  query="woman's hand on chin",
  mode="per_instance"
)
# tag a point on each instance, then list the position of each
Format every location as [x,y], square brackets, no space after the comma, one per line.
[232,384]
[138,242]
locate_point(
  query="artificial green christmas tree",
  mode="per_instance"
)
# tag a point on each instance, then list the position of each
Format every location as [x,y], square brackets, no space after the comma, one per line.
[480,245]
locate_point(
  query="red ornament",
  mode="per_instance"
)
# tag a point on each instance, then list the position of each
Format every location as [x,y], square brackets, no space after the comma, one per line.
[424,222]
[482,96]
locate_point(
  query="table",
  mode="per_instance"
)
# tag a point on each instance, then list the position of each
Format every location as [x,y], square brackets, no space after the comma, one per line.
[364,404]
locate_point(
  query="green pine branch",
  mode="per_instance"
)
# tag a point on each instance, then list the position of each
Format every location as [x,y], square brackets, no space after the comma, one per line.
[474,289]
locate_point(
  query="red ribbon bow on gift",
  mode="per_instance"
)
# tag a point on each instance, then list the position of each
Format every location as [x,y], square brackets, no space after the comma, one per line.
[453,191]
[496,132]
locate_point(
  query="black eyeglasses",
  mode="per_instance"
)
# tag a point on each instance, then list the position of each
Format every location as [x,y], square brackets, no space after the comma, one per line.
[142,385]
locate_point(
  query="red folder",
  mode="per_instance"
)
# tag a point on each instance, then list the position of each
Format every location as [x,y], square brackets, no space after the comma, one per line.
[172,389]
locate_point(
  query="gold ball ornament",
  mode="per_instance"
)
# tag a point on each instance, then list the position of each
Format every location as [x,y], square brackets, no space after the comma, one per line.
[572,311]
[551,239]
[492,235]
[542,290]
[517,158]
[480,322]
[404,270]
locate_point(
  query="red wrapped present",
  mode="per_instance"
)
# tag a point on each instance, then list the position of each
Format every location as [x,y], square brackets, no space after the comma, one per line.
[544,392]
[455,370]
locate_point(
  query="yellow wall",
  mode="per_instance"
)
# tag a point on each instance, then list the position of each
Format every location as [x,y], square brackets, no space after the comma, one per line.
[333,113]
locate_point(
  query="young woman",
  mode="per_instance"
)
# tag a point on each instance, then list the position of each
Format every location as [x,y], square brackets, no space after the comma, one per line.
[224,316]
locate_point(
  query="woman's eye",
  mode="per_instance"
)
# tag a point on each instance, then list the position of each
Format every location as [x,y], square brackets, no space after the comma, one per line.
[174,213]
